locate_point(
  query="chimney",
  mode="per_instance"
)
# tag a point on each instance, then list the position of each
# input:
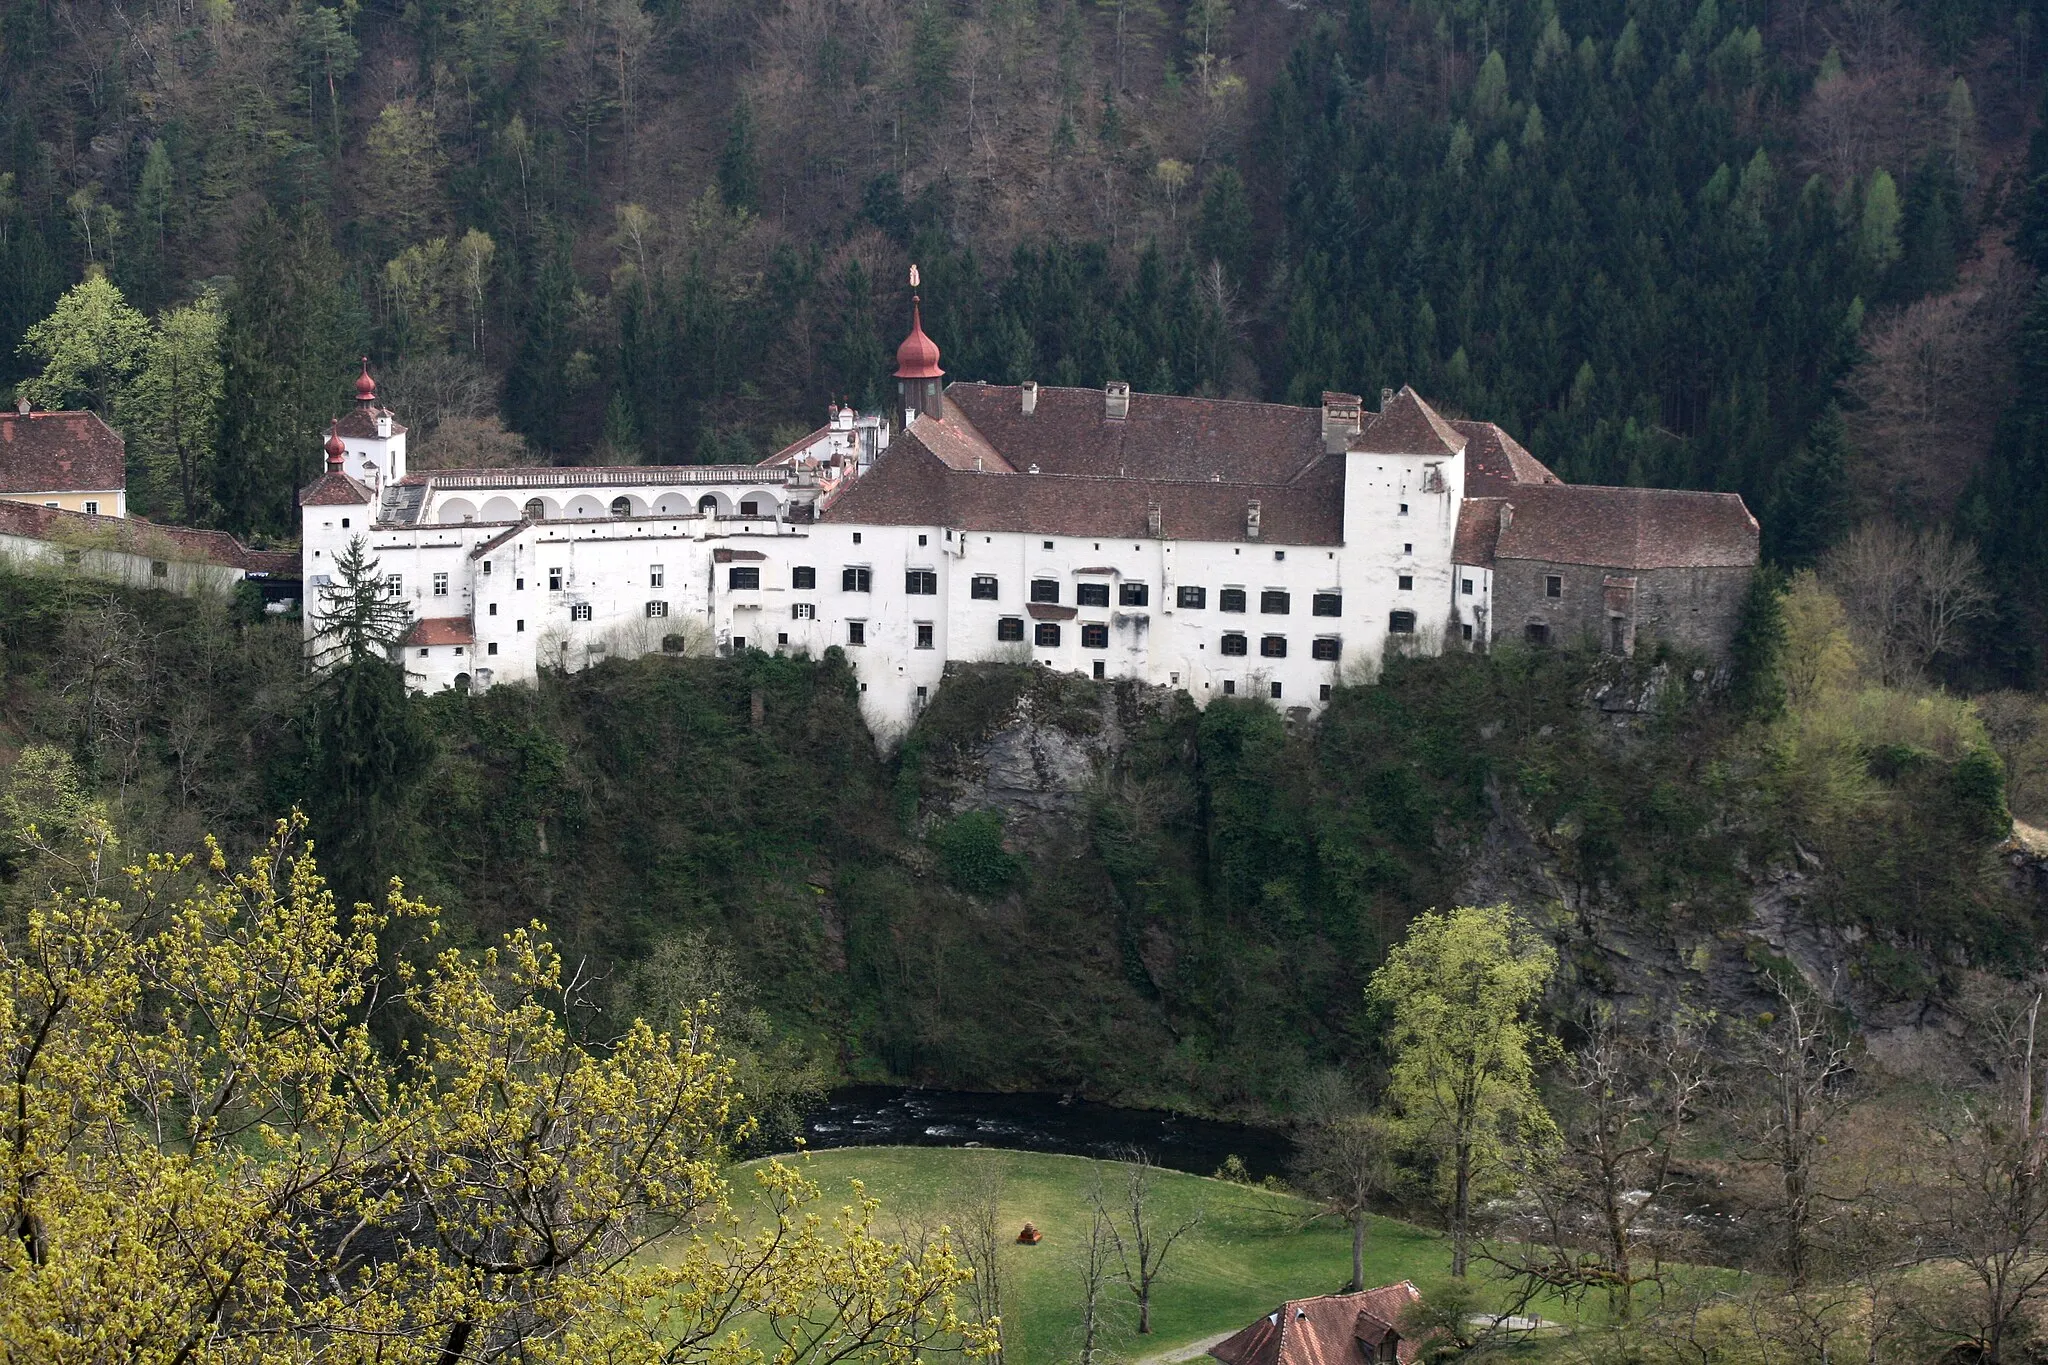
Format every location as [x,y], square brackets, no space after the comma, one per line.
[1343,413]
[1029,392]
[21,405]
[1116,400]
[1152,520]
[1251,519]
[1507,515]
[1386,399]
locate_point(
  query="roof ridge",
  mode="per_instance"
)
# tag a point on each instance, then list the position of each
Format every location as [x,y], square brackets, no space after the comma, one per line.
[1044,389]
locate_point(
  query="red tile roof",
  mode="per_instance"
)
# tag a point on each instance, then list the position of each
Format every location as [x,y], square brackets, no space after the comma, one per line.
[1407,426]
[1478,532]
[910,486]
[1496,462]
[1163,437]
[60,452]
[144,539]
[335,489]
[1333,1329]
[1626,528]
[440,630]
[362,424]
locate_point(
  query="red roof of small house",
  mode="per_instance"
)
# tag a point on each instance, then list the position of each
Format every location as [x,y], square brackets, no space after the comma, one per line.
[440,630]
[60,452]
[1407,426]
[918,356]
[1332,1329]
[336,489]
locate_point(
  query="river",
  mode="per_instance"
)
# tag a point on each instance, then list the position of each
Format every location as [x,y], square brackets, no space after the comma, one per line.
[896,1116]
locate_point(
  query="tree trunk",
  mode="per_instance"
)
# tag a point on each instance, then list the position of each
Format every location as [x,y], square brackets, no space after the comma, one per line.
[1358,1251]
[1145,1311]
[1461,1207]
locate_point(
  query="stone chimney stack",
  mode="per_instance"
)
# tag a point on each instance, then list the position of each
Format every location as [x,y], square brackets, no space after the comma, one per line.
[1028,391]
[21,405]
[1152,520]
[1386,399]
[1343,414]
[1116,400]
[1251,519]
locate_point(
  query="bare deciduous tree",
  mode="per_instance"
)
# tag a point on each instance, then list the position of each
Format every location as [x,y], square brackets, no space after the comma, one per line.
[1346,1158]
[1910,596]
[1803,1061]
[1139,1237]
[980,1230]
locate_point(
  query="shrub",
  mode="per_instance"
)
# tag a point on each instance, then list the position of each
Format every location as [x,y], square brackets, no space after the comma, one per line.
[970,848]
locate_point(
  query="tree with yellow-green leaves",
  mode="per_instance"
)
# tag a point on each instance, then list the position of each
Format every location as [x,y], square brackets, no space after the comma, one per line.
[204,1156]
[1457,992]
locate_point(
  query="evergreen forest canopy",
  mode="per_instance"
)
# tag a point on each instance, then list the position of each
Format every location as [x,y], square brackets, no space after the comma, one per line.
[1723,245]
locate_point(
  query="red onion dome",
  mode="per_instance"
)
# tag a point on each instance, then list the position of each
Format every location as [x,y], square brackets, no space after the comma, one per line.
[366,387]
[918,356]
[336,451]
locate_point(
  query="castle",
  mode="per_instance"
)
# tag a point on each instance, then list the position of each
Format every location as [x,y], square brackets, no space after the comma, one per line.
[1214,546]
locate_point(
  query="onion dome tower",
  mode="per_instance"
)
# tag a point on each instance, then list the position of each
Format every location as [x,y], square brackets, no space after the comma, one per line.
[917,366]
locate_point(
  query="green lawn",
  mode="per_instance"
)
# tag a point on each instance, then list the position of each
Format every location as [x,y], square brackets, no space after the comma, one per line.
[1251,1251]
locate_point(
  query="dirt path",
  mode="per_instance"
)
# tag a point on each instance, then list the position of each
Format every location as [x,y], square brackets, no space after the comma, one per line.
[1191,1351]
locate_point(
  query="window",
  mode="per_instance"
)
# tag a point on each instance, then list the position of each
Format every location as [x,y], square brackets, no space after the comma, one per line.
[423,654]
[1229,688]
[1133,594]
[1273,602]
[1234,645]
[1099,670]
[1047,633]
[782,638]
[921,582]
[1230,599]
[803,576]
[491,648]
[395,585]
[1466,629]
[1194,599]
[536,510]
[739,643]
[458,649]
[554,580]
[1465,586]
[657,575]
[1048,545]
[1405,582]
[1045,590]
[1325,693]
[856,580]
[580,611]
[159,569]
[856,540]
[922,694]
[982,588]
[1273,647]
[622,506]
[1010,628]
[1279,555]
[1095,637]
[1536,633]
[1091,594]
[1326,648]
[750,508]
[856,632]
[92,509]
[1408,548]
[803,611]
[1327,604]
[519,585]
[1400,623]
[344,520]
[923,540]
[707,506]
[743,579]
[1553,586]
[487,568]
[657,609]
[521,625]
[924,635]
[440,585]
[494,609]
[1404,509]
[1276,691]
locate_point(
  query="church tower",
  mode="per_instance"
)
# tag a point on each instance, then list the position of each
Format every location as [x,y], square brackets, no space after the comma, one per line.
[917,367]
[372,439]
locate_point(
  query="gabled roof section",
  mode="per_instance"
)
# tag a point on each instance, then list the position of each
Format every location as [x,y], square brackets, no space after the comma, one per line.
[1478,532]
[1407,426]
[1332,1329]
[60,452]
[1496,461]
[958,445]
[499,539]
[1627,528]
[1163,436]
[440,630]
[336,489]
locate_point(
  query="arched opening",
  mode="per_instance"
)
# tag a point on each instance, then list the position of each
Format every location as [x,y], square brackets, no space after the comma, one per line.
[500,509]
[462,683]
[586,506]
[456,511]
[536,510]
[707,506]
[622,506]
